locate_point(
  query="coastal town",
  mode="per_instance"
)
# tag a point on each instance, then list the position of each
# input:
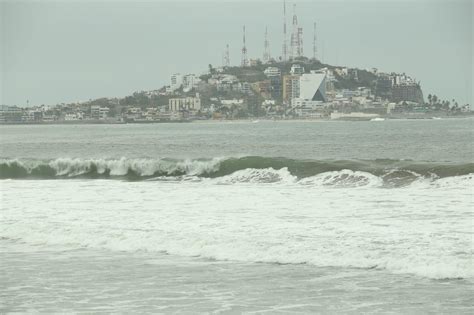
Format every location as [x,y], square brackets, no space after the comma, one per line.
[290,86]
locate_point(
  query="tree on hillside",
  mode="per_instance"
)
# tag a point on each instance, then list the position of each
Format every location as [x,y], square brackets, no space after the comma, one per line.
[211,69]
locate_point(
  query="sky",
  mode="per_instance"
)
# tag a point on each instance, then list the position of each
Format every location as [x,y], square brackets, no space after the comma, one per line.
[66,51]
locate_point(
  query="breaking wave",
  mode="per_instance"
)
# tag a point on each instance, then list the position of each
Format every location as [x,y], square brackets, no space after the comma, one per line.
[252,169]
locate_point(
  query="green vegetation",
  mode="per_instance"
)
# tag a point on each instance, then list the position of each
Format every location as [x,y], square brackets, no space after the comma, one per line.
[248,74]
[143,100]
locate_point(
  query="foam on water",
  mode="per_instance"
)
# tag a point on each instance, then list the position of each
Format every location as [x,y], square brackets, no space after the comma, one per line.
[73,167]
[344,178]
[353,172]
[424,229]
[252,175]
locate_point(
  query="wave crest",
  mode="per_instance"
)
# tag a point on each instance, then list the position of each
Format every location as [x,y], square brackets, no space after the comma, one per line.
[344,178]
[251,169]
[252,175]
[105,168]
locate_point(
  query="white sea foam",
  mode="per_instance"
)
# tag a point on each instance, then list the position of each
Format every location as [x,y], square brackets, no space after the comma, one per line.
[252,175]
[119,167]
[421,231]
[343,178]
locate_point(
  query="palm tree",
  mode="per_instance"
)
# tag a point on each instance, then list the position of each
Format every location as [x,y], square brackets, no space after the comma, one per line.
[430,98]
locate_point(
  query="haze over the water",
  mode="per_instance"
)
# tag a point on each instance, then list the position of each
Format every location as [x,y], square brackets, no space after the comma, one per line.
[64,51]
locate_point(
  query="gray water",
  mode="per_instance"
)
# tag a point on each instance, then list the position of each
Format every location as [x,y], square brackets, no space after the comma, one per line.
[257,240]
[422,140]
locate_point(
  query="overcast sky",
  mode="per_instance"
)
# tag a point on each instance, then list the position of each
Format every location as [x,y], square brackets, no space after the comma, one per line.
[64,51]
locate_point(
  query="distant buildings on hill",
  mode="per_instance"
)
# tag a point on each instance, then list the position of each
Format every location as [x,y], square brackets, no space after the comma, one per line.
[277,90]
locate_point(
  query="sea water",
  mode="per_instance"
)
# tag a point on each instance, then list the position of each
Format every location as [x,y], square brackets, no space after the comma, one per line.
[273,217]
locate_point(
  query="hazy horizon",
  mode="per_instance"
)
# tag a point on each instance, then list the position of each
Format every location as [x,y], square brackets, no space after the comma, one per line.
[67,51]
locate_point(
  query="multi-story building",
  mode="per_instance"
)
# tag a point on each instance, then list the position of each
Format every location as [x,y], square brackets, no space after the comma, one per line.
[408,92]
[95,112]
[297,69]
[10,113]
[383,87]
[291,87]
[313,86]
[176,81]
[312,94]
[98,112]
[184,104]
[104,112]
[272,71]
[275,87]
[190,82]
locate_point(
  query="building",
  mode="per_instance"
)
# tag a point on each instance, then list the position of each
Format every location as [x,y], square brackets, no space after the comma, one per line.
[184,104]
[275,87]
[104,112]
[74,116]
[10,114]
[297,69]
[291,88]
[313,86]
[312,94]
[98,112]
[302,105]
[383,87]
[176,81]
[407,92]
[254,62]
[95,112]
[343,72]
[190,82]
[272,71]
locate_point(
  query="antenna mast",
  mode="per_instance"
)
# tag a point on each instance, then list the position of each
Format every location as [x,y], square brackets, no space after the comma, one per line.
[315,48]
[285,37]
[294,35]
[266,48]
[226,56]
[245,61]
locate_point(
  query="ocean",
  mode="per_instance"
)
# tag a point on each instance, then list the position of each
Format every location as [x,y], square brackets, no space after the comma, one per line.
[238,217]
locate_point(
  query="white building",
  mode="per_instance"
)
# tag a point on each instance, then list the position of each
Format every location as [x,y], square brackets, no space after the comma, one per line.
[98,112]
[190,82]
[73,116]
[301,104]
[313,86]
[184,103]
[297,69]
[176,81]
[272,72]
[312,92]
[95,112]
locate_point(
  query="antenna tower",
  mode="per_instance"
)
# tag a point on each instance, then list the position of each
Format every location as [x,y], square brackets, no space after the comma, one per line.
[285,37]
[294,35]
[266,48]
[315,48]
[245,61]
[226,56]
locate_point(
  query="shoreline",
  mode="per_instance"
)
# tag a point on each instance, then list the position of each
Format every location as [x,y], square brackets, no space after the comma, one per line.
[252,120]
